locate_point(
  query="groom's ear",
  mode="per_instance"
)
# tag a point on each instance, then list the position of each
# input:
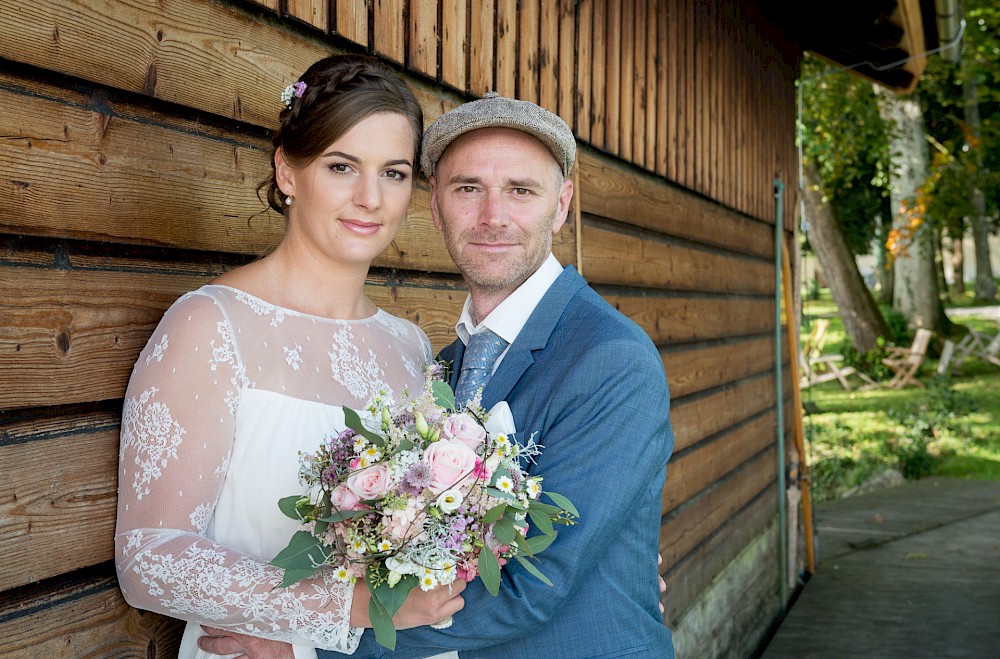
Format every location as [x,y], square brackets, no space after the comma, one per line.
[435,213]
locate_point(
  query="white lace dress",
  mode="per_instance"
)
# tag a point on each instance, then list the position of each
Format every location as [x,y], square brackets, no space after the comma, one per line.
[226,393]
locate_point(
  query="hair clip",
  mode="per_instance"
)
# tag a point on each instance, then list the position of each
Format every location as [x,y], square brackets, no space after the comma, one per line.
[295,90]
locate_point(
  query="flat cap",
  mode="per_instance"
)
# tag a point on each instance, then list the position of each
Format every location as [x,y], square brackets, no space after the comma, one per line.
[495,111]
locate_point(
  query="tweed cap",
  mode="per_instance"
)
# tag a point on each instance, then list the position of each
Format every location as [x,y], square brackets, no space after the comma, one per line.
[495,111]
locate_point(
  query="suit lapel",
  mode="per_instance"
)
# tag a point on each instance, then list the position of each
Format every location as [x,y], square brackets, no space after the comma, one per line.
[453,354]
[534,336]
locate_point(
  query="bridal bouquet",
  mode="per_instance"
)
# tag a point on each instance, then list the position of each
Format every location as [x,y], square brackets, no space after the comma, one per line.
[419,494]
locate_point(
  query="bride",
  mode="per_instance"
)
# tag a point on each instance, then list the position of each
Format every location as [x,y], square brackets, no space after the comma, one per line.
[244,373]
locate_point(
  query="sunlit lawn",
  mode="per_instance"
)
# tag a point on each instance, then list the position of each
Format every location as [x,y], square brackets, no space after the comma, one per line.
[852,435]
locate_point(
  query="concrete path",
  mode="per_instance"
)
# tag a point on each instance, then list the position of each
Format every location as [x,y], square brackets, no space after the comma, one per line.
[911,571]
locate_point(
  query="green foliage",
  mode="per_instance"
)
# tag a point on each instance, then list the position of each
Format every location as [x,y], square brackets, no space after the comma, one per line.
[952,427]
[898,324]
[964,158]
[843,134]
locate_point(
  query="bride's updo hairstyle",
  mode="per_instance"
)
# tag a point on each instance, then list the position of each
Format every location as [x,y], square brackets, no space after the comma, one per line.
[338,93]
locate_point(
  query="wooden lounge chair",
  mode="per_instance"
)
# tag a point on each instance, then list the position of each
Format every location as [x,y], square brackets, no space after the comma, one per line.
[947,360]
[818,367]
[825,368]
[980,345]
[904,362]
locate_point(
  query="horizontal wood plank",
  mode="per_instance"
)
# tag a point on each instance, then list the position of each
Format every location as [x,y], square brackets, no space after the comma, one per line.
[689,577]
[694,471]
[681,319]
[614,255]
[73,171]
[199,54]
[57,496]
[70,336]
[697,418]
[686,528]
[83,618]
[610,190]
[699,367]
[203,55]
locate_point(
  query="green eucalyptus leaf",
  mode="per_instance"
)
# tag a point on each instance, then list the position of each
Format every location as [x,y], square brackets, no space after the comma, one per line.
[294,575]
[341,515]
[546,508]
[542,521]
[381,619]
[303,551]
[526,564]
[443,395]
[504,531]
[288,506]
[563,503]
[500,494]
[489,571]
[385,630]
[392,597]
[539,543]
[495,513]
[353,421]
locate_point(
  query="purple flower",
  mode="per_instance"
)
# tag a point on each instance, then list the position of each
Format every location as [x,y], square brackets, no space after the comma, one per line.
[417,477]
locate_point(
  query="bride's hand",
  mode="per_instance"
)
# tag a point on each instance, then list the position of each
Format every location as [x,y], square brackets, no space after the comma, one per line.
[420,607]
[430,607]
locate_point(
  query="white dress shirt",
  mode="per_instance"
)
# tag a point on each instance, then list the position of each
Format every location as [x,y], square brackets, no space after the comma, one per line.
[509,317]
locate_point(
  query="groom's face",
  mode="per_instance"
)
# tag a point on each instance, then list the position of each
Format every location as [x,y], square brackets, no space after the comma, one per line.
[498,196]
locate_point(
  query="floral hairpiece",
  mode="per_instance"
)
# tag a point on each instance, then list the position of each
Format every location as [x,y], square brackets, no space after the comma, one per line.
[295,90]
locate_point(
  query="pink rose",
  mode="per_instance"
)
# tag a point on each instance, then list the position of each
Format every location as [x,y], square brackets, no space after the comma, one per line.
[482,470]
[449,461]
[371,482]
[343,498]
[464,428]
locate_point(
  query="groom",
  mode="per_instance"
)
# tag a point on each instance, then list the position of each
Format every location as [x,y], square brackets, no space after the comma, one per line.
[572,368]
[584,377]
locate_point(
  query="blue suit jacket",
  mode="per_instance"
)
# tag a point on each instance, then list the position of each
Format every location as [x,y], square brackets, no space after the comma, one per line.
[591,383]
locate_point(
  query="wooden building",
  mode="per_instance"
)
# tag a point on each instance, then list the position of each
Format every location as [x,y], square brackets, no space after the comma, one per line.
[134,133]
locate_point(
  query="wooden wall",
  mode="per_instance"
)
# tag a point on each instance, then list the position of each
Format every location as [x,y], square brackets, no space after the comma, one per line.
[135,132]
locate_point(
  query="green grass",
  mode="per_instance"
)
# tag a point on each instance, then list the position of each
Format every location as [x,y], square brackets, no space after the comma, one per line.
[950,428]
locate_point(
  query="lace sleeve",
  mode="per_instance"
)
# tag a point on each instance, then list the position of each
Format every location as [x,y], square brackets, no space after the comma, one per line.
[176,440]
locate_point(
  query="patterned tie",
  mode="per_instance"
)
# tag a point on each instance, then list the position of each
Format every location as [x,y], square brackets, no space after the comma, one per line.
[477,365]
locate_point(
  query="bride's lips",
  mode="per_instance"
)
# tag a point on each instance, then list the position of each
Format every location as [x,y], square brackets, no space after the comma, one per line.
[359,227]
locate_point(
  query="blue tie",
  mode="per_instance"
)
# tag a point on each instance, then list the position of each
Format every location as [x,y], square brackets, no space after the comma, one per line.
[477,365]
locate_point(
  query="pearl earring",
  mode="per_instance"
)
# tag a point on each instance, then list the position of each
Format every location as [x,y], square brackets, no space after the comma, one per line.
[288,200]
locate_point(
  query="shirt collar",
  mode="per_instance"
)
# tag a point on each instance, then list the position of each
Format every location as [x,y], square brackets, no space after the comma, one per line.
[510,316]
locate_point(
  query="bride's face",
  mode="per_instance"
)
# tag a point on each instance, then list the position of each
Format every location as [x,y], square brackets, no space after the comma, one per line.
[348,204]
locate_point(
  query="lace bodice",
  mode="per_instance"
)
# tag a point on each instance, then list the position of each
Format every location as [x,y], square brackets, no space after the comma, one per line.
[226,393]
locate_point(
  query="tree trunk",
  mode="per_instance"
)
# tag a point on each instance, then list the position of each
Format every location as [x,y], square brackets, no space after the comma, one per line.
[915,290]
[863,322]
[986,286]
[958,266]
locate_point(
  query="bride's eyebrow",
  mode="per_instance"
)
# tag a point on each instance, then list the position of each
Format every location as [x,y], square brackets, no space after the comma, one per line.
[355,159]
[341,154]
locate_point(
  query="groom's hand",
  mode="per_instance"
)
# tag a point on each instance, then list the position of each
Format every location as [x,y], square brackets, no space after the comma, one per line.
[220,641]
[663,584]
